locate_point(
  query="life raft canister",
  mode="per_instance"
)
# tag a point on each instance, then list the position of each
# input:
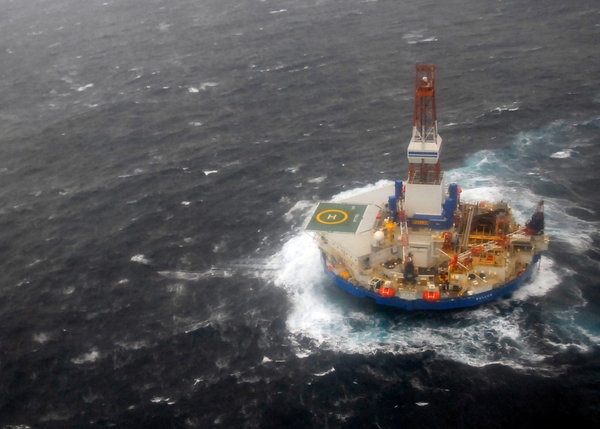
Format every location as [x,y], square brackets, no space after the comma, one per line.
[387,292]
[345,275]
[431,295]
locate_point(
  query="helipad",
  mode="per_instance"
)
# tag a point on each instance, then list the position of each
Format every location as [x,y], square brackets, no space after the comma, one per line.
[336,217]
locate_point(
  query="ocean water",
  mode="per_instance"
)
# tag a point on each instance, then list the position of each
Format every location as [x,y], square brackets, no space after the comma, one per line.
[158,160]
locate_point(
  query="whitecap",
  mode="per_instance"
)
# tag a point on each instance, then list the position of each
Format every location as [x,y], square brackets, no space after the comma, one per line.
[321,374]
[300,69]
[185,203]
[208,85]
[162,400]
[91,356]
[84,87]
[413,38]
[212,272]
[141,259]
[68,290]
[302,353]
[35,262]
[297,269]
[275,68]
[317,179]
[136,172]
[505,108]
[545,279]
[191,327]
[203,87]
[273,12]
[182,275]
[302,207]
[562,154]
[41,337]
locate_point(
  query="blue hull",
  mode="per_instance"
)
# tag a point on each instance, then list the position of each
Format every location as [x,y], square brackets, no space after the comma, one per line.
[442,303]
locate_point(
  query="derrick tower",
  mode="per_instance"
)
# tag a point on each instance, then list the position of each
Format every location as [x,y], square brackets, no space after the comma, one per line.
[425,144]
[425,203]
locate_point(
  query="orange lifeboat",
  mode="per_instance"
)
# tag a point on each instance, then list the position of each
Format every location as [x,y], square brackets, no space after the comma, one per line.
[387,292]
[431,295]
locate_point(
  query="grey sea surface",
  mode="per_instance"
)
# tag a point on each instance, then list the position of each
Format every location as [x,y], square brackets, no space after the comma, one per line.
[158,160]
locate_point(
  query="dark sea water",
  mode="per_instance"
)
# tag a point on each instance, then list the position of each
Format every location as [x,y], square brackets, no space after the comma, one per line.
[159,158]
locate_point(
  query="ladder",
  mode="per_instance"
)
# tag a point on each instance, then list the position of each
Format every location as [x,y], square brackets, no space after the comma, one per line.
[467,230]
[402,223]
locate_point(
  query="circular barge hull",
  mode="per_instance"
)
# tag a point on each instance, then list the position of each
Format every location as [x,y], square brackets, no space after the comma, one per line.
[442,303]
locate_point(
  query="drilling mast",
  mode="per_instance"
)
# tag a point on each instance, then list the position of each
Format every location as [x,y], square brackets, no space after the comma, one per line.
[425,145]
[424,204]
